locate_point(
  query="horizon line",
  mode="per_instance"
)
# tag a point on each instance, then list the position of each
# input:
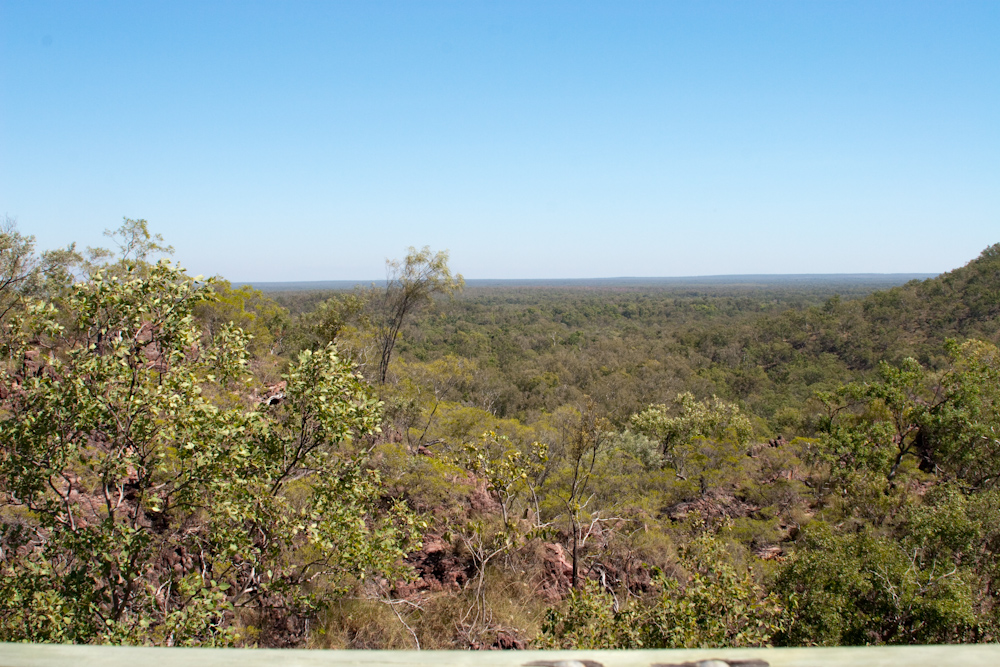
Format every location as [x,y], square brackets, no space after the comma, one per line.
[736,278]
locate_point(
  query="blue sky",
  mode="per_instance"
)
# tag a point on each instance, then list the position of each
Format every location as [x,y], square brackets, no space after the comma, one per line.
[311,140]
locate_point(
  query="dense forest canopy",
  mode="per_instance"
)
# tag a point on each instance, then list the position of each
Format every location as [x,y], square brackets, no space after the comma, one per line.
[427,464]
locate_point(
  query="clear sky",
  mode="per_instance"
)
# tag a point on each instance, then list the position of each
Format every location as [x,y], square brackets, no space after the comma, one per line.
[311,140]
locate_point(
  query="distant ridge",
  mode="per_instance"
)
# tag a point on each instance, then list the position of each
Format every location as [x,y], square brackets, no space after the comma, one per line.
[873,279]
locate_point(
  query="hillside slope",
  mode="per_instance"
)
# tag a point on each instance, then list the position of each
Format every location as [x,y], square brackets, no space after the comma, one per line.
[777,359]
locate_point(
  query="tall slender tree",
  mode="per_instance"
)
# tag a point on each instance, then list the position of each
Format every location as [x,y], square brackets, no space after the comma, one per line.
[409,285]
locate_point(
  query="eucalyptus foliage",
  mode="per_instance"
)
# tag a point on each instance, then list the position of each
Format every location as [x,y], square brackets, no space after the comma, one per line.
[148,496]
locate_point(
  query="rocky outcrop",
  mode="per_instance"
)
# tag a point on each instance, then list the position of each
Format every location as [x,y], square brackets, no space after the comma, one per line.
[438,567]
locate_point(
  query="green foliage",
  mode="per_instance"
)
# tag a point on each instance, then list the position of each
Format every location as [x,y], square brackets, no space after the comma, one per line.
[715,605]
[435,487]
[136,244]
[638,446]
[18,266]
[591,620]
[507,470]
[947,421]
[887,427]
[715,419]
[409,285]
[262,319]
[148,494]
[147,500]
[330,318]
[963,429]
[866,588]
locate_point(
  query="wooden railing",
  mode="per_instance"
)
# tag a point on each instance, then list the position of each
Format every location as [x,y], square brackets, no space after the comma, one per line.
[56,655]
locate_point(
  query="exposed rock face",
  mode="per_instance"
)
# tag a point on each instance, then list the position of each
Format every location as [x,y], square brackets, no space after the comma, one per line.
[558,572]
[275,394]
[438,566]
[505,640]
[32,363]
[772,552]
[712,505]
[480,499]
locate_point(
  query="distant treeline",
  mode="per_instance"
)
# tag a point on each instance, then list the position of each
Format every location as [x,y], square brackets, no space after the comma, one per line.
[426,462]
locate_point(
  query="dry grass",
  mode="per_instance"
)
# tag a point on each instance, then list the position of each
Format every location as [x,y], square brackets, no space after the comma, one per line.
[509,606]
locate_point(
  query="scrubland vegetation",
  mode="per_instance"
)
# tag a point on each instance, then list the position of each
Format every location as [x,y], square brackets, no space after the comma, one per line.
[414,465]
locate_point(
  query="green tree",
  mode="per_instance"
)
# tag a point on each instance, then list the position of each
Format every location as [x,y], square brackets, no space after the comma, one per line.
[716,604]
[25,275]
[146,498]
[136,244]
[862,587]
[409,285]
[714,419]
[260,317]
[332,316]
[947,422]
[961,432]
[507,472]
[874,426]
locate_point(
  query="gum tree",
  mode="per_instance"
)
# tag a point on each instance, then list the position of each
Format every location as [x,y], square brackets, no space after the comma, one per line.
[146,497]
[410,284]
